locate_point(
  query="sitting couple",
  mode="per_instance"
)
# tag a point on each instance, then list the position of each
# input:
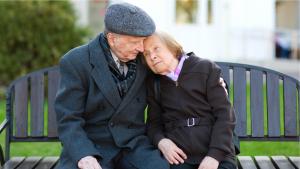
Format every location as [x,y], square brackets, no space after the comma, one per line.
[100,106]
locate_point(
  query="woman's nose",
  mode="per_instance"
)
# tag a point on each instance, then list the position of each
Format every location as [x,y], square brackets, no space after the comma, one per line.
[153,56]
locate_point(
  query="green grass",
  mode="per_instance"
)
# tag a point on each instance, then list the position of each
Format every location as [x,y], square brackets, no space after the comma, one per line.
[270,148]
[247,147]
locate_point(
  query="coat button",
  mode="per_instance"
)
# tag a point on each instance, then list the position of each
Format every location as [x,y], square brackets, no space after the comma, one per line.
[112,124]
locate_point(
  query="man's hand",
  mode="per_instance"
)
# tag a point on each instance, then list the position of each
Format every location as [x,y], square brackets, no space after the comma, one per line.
[88,162]
[223,84]
[209,163]
[171,152]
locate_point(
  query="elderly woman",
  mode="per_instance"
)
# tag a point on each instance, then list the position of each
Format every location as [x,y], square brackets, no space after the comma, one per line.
[192,120]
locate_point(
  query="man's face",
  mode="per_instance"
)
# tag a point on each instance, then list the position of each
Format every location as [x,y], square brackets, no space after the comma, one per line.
[125,47]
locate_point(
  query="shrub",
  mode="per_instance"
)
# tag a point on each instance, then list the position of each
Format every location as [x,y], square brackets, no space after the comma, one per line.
[35,34]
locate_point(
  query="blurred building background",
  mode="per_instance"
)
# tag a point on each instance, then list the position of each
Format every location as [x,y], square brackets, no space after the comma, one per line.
[259,32]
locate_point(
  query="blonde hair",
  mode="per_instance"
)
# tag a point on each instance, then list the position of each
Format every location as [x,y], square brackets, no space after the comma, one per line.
[175,48]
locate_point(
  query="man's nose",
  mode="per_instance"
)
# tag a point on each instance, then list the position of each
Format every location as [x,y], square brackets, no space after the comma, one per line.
[140,47]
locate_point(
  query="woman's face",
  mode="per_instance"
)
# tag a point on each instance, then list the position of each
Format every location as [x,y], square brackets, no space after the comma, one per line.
[158,57]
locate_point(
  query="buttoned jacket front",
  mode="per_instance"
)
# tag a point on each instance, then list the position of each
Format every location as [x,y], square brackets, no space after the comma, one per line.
[196,94]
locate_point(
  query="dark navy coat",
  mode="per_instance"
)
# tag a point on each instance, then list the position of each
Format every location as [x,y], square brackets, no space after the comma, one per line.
[92,117]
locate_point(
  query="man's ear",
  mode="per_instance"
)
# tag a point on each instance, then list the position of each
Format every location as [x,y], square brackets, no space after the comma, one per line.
[110,39]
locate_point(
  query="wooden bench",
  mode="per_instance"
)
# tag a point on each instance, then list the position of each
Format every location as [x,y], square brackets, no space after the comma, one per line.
[38,89]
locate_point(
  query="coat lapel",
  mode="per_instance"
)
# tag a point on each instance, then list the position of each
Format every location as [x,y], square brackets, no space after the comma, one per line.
[141,73]
[101,74]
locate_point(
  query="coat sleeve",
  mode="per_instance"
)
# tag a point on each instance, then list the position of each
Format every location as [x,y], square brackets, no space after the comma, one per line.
[154,110]
[222,130]
[70,107]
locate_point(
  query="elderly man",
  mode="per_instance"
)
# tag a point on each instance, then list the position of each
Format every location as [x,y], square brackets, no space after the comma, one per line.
[102,97]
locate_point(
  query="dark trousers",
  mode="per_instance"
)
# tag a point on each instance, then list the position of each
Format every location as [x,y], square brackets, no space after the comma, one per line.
[119,162]
[222,165]
[124,164]
[129,160]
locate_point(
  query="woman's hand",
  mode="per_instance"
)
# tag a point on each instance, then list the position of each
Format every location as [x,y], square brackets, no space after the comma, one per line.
[223,84]
[88,162]
[171,152]
[209,163]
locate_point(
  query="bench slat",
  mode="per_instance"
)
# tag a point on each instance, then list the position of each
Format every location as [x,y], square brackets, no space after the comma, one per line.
[239,101]
[295,161]
[256,103]
[37,105]
[21,108]
[29,162]
[47,163]
[246,162]
[13,162]
[264,162]
[282,162]
[273,105]
[290,106]
[53,83]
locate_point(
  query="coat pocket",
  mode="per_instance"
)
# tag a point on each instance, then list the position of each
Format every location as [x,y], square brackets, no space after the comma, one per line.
[192,140]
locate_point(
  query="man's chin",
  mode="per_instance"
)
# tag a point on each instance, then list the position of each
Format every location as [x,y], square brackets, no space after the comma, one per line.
[128,59]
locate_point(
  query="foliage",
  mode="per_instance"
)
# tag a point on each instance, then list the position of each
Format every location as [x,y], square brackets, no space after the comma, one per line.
[35,34]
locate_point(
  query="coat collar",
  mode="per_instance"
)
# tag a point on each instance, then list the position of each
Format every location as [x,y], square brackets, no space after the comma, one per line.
[104,80]
[141,73]
[101,74]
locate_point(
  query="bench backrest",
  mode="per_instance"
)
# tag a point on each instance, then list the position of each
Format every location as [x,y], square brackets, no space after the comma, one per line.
[26,103]
[29,96]
[273,99]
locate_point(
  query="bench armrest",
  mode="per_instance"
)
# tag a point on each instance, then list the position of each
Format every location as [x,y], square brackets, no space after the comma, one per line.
[3,125]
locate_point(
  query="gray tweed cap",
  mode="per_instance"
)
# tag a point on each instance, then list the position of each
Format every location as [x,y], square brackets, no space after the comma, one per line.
[127,19]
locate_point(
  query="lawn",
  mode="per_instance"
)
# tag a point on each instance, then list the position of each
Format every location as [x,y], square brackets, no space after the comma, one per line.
[247,148]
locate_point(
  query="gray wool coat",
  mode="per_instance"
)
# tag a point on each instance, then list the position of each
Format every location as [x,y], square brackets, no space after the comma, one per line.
[93,119]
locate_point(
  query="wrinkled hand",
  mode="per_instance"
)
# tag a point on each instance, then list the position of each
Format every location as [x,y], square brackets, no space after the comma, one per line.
[171,152]
[209,163]
[223,84]
[88,162]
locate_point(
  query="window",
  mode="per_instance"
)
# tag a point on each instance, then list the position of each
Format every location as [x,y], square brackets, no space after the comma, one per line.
[287,18]
[209,12]
[186,11]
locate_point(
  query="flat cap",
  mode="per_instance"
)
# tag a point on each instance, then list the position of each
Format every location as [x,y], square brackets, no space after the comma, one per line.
[127,19]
